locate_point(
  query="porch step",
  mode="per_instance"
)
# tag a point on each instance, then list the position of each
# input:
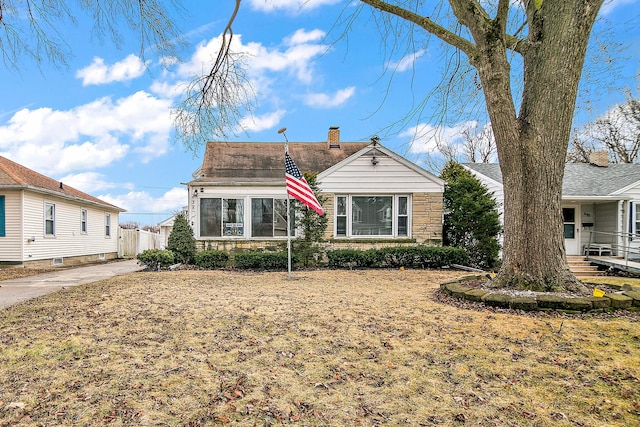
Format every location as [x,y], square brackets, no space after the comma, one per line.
[582,268]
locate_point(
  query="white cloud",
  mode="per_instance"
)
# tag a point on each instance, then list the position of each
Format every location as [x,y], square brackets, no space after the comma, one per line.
[322,100]
[302,36]
[407,61]
[91,182]
[141,201]
[263,122]
[98,73]
[289,5]
[426,138]
[88,136]
[295,59]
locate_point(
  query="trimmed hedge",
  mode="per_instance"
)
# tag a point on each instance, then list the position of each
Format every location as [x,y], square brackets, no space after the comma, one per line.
[211,259]
[398,256]
[155,259]
[262,260]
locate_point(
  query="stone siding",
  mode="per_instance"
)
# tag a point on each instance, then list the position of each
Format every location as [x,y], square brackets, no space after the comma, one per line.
[427,217]
[426,229]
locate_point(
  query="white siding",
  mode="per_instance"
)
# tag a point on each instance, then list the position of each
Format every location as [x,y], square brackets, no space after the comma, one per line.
[12,243]
[495,189]
[388,176]
[633,192]
[607,222]
[68,240]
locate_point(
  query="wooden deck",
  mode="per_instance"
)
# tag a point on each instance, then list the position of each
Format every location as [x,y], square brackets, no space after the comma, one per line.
[615,262]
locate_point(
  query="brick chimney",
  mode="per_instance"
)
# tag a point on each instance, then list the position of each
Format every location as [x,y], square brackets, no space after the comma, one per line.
[599,158]
[334,138]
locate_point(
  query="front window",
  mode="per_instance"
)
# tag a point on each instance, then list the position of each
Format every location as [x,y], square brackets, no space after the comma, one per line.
[372,216]
[3,230]
[83,221]
[375,216]
[49,219]
[341,216]
[221,217]
[268,217]
[107,225]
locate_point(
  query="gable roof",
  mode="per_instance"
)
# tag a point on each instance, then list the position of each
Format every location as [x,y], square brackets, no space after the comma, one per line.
[263,162]
[16,176]
[380,150]
[580,179]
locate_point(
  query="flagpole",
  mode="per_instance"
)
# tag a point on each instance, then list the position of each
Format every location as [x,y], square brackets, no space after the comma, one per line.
[286,151]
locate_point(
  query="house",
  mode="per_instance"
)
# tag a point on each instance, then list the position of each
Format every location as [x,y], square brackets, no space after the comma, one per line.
[600,204]
[166,226]
[45,222]
[238,197]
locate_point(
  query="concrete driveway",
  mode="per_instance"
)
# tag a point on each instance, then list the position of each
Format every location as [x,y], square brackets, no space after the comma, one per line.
[15,290]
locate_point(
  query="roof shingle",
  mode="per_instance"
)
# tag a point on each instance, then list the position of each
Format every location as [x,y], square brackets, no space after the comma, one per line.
[15,175]
[580,179]
[251,162]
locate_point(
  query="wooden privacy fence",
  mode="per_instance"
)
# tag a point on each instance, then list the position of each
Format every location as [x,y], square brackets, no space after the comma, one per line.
[132,242]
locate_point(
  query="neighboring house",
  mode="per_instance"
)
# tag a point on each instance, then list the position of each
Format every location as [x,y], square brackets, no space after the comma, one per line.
[45,222]
[166,226]
[374,197]
[600,204]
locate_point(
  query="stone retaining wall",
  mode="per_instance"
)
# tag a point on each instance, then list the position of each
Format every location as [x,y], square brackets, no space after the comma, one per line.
[627,298]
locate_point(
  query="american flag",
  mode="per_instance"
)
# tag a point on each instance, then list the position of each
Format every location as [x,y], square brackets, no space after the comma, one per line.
[298,187]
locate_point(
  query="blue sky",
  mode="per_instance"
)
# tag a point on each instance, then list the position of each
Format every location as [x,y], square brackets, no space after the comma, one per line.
[102,123]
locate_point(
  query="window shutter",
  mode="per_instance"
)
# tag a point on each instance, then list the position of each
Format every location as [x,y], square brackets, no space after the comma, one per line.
[2,218]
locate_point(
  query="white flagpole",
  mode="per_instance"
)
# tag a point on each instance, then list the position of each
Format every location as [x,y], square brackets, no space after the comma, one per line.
[286,151]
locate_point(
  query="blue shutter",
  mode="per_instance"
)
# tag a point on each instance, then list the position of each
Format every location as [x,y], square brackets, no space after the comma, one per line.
[2,218]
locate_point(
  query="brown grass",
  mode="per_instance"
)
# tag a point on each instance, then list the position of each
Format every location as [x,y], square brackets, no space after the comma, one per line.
[326,348]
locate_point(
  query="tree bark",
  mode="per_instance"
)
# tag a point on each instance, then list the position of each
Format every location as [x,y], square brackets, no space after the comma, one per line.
[533,161]
[532,144]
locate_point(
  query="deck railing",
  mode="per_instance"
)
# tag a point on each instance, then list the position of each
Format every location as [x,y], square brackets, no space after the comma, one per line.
[623,245]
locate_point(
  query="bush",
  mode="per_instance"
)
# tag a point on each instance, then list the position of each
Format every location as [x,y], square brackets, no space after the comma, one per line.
[398,256]
[181,241]
[471,220]
[343,258]
[262,260]
[155,259]
[211,259]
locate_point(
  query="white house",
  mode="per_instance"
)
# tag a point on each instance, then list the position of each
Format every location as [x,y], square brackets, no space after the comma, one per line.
[166,226]
[46,222]
[374,196]
[600,204]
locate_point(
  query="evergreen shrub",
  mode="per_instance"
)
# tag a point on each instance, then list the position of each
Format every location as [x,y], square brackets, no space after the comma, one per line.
[181,241]
[397,256]
[155,259]
[211,259]
[262,260]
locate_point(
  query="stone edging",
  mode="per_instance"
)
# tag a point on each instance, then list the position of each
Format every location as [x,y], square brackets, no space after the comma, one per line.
[628,298]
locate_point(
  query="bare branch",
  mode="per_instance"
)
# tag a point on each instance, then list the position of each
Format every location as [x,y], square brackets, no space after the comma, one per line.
[425,22]
[214,102]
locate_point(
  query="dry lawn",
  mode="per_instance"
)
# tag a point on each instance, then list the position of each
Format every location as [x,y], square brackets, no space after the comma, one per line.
[326,348]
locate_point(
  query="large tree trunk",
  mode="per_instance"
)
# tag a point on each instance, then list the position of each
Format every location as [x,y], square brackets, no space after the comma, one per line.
[532,147]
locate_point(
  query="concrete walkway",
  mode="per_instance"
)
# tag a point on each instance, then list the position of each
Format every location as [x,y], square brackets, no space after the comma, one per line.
[16,290]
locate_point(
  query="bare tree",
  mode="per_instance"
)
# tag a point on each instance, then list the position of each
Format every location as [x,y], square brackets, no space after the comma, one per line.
[469,145]
[130,225]
[617,132]
[31,28]
[216,100]
[479,147]
[551,40]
